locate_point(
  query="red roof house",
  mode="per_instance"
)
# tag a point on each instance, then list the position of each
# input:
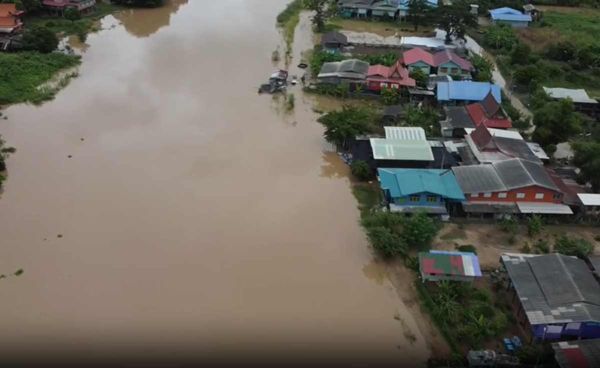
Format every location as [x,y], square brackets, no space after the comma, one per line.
[381,76]
[9,18]
[447,56]
[489,113]
[444,62]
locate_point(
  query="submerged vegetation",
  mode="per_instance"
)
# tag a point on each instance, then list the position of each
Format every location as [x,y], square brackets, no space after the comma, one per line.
[287,20]
[22,73]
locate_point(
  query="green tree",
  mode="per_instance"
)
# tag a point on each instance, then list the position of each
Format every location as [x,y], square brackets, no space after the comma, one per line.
[72,14]
[390,96]
[40,39]
[587,159]
[520,54]
[345,124]
[420,77]
[323,9]
[419,12]
[361,170]
[424,117]
[573,246]
[500,37]
[483,68]
[535,225]
[419,230]
[455,18]
[556,122]
[386,242]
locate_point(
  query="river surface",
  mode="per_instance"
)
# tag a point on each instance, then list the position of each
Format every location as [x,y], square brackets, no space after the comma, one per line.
[161,209]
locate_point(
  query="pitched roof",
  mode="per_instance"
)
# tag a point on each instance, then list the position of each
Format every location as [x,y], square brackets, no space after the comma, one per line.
[490,105]
[509,14]
[517,173]
[589,199]
[512,134]
[405,150]
[405,133]
[8,10]
[489,148]
[577,354]
[457,117]
[417,54]
[394,74]
[444,56]
[467,91]
[405,182]
[554,288]
[334,37]
[444,263]
[479,116]
[351,68]
[577,95]
[478,179]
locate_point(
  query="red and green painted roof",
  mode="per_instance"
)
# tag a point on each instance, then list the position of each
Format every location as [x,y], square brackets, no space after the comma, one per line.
[440,263]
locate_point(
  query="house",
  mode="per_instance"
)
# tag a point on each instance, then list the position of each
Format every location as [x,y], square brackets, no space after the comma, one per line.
[411,190]
[381,76]
[444,62]
[456,92]
[334,40]
[581,101]
[512,17]
[510,186]
[487,112]
[10,20]
[351,72]
[556,297]
[590,203]
[59,6]
[489,146]
[577,354]
[402,147]
[439,265]
[376,8]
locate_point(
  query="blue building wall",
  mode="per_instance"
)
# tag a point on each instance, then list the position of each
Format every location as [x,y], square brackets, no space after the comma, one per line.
[512,23]
[422,199]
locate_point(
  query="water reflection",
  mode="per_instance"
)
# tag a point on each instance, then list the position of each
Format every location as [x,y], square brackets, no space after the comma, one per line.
[145,22]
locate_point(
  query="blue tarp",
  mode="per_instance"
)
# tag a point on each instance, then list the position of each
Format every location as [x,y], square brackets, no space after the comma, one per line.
[510,15]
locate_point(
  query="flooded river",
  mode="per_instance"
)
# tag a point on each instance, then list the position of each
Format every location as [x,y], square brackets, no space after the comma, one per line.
[161,209]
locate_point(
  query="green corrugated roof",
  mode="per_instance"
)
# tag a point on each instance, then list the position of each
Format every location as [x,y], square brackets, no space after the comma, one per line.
[408,150]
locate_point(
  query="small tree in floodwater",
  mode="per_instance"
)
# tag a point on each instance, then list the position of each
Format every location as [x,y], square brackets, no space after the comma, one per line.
[324,9]
[343,125]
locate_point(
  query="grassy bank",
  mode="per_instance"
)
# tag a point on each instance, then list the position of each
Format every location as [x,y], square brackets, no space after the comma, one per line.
[22,73]
[79,27]
[287,21]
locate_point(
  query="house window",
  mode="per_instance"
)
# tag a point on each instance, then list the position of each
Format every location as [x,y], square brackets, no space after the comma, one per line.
[520,195]
[443,70]
[415,198]
[487,195]
[395,86]
[539,195]
[474,195]
[557,196]
[502,195]
[454,70]
[384,85]
[432,199]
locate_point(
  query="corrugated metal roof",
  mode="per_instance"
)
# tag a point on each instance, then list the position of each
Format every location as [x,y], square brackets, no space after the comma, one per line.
[577,95]
[512,134]
[589,199]
[447,263]
[478,179]
[554,288]
[405,182]
[544,208]
[517,173]
[405,133]
[509,14]
[577,354]
[407,150]
[467,91]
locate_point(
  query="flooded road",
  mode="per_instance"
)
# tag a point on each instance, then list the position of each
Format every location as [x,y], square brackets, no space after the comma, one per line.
[160,207]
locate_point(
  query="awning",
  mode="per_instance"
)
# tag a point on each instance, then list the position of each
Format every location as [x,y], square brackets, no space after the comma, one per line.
[436,210]
[490,207]
[544,208]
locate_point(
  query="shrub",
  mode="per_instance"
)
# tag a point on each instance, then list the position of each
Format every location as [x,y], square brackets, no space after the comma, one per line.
[40,39]
[419,230]
[562,51]
[542,246]
[361,170]
[391,96]
[500,37]
[386,242]
[573,246]
[72,14]
[534,225]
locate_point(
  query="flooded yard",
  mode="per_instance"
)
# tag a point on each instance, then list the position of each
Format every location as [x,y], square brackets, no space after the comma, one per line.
[160,208]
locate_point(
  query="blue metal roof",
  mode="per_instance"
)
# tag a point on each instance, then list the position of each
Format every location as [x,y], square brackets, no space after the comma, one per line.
[405,182]
[509,14]
[467,91]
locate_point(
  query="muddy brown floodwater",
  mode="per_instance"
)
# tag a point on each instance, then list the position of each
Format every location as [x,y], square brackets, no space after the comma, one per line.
[160,207]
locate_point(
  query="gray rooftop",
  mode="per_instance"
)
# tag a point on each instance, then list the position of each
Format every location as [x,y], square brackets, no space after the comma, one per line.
[554,288]
[351,68]
[457,117]
[589,349]
[577,95]
[518,173]
[478,179]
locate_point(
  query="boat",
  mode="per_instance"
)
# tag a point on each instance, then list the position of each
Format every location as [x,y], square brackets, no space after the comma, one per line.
[277,82]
